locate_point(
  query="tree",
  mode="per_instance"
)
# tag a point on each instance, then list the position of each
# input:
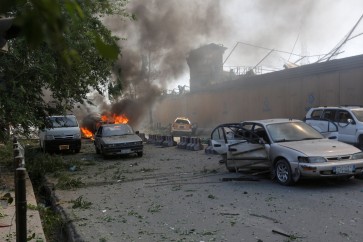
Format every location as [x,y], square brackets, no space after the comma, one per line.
[64,50]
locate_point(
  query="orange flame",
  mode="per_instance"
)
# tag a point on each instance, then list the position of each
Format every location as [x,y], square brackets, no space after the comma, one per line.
[120,119]
[115,119]
[87,133]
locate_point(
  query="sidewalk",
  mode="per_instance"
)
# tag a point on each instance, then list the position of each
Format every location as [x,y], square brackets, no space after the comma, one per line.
[7,213]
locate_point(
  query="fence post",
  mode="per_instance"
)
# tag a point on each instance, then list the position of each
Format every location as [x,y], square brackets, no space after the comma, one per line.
[20,205]
[20,192]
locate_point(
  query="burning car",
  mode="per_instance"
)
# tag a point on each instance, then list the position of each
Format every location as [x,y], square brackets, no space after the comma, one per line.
[290,149]
[117,139]
[92,122]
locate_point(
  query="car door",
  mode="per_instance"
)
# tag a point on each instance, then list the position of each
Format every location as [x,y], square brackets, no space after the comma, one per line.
[223,135]
[346,129]
[248,152]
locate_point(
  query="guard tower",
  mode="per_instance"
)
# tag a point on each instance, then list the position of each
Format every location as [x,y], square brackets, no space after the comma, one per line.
[206,66]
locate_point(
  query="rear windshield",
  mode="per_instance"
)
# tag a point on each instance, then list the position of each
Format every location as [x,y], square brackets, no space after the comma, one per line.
[62,121]
[182,121]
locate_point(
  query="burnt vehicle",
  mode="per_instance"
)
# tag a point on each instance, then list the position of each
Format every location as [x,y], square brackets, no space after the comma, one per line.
[291,149]
[117,139]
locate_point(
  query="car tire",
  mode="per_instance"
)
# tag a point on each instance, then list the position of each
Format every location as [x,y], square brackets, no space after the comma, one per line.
[40,145]
[231,169]
[360,142]
[44,149]
[140,154]
[77,150]
[97,150]
[283,173]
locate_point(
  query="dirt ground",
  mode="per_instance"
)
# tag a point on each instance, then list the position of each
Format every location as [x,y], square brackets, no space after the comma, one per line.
[171,194]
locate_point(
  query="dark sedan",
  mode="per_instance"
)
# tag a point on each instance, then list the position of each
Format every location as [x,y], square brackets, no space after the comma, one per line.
[117,139]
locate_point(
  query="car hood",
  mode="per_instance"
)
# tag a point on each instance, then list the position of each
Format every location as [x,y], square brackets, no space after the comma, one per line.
[121,139]
[321,147]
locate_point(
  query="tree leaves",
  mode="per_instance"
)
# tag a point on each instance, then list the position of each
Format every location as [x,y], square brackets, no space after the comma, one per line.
[64,52]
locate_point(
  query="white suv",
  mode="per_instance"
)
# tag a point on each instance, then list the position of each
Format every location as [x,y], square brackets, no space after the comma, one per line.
[347,119]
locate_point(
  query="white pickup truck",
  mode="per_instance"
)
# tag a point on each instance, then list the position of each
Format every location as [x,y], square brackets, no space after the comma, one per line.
[345,123]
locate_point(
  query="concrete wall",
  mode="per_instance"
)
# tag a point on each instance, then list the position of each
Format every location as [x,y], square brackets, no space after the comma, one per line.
[284,94]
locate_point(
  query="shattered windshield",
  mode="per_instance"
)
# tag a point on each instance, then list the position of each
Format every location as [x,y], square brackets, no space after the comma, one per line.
[292,131]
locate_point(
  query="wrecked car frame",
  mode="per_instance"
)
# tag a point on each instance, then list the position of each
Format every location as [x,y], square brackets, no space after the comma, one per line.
[290,149]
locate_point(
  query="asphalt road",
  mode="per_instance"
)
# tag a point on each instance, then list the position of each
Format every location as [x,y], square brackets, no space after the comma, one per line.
[171,194]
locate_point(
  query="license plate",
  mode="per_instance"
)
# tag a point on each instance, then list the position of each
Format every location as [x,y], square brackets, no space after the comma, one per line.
[64,147]
[126,151]
[344,169]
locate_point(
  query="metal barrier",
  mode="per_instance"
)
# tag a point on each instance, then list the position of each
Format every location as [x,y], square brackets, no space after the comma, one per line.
[20,191]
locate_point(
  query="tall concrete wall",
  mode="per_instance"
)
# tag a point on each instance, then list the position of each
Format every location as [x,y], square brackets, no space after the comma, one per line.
[284,94]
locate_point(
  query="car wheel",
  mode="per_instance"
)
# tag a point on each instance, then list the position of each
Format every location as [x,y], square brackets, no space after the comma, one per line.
[44,149]
[97,150]
[360,142]
[231,169]
[140,154]
[40,145]
[283,173]
[77,150]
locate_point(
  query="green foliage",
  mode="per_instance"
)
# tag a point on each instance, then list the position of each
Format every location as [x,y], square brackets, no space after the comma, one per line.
[7,197]
[39,164]
[81,203]
[66,182]
[6,155]
[63,52]
[52,223]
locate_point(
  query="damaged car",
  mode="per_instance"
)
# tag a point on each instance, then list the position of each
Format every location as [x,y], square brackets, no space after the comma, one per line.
[117,139]
[290,150]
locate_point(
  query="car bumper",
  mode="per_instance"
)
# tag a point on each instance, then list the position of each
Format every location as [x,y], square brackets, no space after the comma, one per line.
[63,144]
[122,150]
[181,132]
[332,169]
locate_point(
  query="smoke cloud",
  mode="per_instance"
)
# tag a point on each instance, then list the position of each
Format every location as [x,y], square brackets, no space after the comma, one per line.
[155,46]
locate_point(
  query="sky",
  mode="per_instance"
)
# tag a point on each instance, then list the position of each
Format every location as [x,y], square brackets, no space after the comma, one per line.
[155,46]
[167,30]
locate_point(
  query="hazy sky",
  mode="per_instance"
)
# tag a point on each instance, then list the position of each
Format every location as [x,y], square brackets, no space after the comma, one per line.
[169,29]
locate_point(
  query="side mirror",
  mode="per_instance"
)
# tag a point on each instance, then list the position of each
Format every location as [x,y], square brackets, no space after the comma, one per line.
[351,121]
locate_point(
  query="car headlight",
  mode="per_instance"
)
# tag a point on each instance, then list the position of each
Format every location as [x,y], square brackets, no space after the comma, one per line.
[357,156]
[312,159]
[77,136]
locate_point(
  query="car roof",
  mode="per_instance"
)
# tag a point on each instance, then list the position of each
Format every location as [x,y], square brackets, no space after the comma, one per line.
[273,121]
[337,107]
[182,118]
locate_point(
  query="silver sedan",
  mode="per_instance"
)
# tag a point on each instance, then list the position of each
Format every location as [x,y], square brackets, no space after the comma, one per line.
[292,149]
